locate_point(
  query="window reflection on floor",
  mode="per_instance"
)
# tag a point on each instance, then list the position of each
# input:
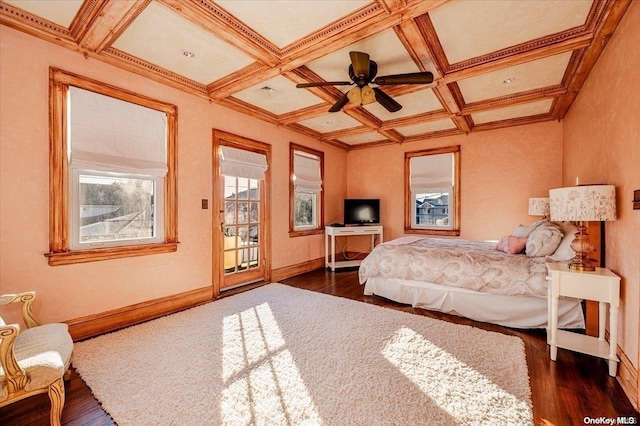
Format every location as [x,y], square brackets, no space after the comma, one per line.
[262,383]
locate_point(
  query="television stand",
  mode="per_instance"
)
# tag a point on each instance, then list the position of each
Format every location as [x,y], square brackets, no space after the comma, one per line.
[331,232]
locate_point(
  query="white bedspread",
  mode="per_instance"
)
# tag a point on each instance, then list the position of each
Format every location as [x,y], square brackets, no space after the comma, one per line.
[457,263]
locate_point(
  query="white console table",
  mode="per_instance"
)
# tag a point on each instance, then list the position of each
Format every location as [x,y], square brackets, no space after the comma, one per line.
[331,232]
[600,285]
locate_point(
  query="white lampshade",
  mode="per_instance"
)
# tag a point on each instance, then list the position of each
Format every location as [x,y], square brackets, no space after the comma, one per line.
[539,207]
[583,203]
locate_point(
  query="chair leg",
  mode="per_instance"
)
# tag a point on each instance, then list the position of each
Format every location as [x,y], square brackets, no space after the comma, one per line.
[67,375]
[56,396]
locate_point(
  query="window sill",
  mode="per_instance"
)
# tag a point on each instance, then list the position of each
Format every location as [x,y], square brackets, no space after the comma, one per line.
[94,255]
[305,232]
[443,232]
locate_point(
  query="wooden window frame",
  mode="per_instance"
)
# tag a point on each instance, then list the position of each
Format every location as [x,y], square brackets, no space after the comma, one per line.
[59,179]
[409,211]
[319,229]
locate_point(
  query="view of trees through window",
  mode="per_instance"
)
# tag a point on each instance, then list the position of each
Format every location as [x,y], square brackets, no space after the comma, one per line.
[304,209]
[113,208]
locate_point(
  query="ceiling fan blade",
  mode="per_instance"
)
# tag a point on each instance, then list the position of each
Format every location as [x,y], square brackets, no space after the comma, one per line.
[324,83]
[386,101]
[339,104]
[410,78]
[360,62]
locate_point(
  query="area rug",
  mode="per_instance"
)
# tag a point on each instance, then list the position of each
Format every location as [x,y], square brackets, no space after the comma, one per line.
[278,355]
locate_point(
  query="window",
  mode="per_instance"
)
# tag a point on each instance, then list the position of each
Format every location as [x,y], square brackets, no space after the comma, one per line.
[112,172]
[306,201]
[432,191]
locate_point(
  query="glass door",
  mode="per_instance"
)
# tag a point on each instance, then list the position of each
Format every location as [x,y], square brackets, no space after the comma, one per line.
[241,203]
[242,231]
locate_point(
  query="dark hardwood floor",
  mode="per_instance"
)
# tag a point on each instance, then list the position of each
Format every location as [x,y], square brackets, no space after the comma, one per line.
[564,392]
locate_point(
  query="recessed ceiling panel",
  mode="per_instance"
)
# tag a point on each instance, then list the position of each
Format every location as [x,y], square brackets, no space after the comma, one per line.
[385,49]
[518,78]
[278,95]
[412,104]
[362,138]
[467,29]
[283,22]
[160,36]
[60,12]
[427,127]
[330,123]
[516,111]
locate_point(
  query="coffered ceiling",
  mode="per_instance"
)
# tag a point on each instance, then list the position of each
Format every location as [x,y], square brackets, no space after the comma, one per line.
[496,63]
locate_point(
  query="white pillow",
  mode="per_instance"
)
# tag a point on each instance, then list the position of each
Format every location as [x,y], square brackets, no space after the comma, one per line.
[564,250]
[544,240]
[523,231]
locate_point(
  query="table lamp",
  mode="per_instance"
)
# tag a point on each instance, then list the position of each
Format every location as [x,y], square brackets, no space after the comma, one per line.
[539,207]
[582,204]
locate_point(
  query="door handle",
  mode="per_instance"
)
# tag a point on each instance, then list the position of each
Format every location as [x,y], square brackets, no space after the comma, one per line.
[221,226]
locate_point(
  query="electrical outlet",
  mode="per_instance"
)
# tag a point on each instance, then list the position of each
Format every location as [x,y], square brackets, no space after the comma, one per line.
[205,204]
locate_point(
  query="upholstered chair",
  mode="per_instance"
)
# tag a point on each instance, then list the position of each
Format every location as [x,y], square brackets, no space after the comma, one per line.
[33,360]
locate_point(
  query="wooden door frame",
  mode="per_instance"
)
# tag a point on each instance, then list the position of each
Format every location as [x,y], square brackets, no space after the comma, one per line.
[222,138]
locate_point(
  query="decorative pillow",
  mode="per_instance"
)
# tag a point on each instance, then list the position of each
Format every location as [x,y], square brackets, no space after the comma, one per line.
[512,244]
[524,231]
[544,240]
[564,250]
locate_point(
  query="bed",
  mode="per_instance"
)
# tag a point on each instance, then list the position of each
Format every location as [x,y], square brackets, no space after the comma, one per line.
[466,278]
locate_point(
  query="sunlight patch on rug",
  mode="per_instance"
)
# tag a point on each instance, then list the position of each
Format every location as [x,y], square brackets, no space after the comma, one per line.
[450,382]
[284,356]
[260,374]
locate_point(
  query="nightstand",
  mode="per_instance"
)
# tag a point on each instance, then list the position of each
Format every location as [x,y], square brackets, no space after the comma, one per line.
[600,285]
[330,234]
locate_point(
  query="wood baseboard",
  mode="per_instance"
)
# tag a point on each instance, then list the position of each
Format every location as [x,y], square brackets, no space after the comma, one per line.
[104,322]
[297,269]
[628,378]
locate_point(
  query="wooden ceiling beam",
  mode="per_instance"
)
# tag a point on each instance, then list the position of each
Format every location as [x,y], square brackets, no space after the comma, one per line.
[337,134]
[462,122]
[432,135]
[414,119]
[604,30]
[226,27]
[254,72]
[513,122]
[392,135]
[363,23]
[98,24]
[43,29]
[303,114]
[530,55]
[514,99]
[363,116]
[371,144]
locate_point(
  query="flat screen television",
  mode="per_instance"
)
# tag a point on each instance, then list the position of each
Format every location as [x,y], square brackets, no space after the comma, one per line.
[361,211]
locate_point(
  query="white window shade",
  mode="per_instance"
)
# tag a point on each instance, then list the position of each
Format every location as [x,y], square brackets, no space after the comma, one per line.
[112,135]
[307,177]
[431,172]
[240,163]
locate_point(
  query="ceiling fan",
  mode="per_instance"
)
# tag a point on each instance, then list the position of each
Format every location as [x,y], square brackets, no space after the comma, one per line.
[362,71]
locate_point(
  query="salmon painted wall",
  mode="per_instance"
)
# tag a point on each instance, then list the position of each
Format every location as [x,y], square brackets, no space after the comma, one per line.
[68,292]
[500,171]
[602,145]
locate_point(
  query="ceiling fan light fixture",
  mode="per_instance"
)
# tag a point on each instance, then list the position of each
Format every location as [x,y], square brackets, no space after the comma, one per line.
[368,95]
[355,96]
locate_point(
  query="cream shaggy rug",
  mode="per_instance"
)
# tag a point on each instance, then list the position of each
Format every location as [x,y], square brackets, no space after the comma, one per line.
[278,355]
